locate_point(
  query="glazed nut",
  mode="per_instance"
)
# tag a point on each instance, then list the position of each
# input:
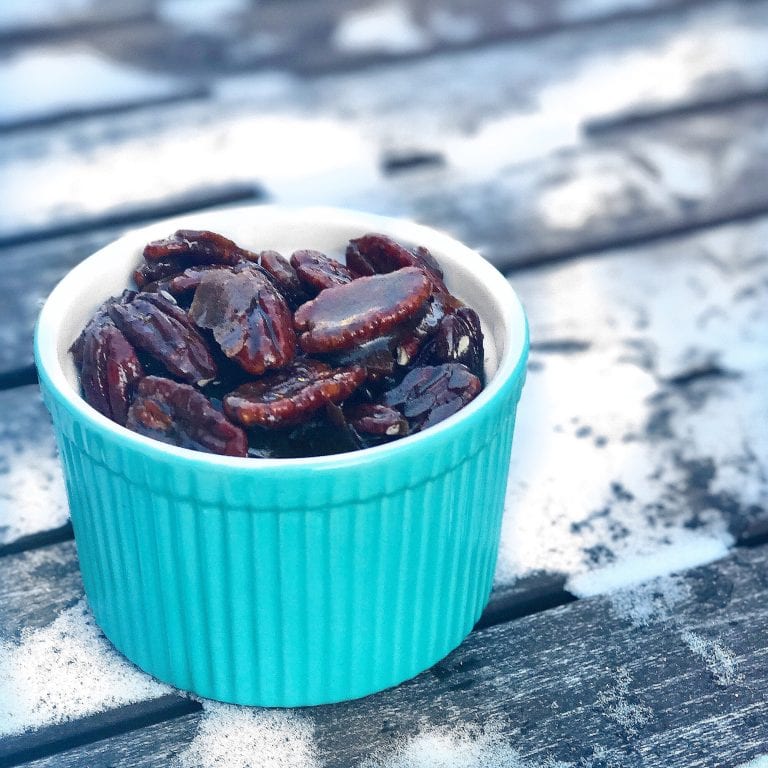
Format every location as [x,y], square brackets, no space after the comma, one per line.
[369,307]
[291,396]
[250,320]
[180,415]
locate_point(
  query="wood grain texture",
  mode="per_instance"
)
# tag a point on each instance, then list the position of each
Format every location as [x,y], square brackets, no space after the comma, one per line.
[587,684]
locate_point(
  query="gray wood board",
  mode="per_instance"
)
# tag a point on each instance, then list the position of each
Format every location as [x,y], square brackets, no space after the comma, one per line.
[507,121]
[310,37]
[671,675]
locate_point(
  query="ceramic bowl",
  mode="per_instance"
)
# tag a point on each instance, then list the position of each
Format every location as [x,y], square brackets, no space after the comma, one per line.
[286,582]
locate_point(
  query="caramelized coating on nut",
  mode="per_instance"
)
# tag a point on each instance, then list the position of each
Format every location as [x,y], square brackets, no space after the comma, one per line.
[348,315]
[376,419]
[193,246]
[430,394]
[180,415]
[250,320]
[154,324]
[318,272]
[374,253]
[283,276]
[290,396]
[110,370]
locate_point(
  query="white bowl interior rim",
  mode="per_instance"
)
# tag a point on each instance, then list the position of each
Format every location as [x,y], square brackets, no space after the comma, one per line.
[107,272]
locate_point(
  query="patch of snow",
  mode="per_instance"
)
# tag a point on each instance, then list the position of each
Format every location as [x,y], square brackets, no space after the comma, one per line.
[682,172]
[32,493]
[687,549]
[721,662]
[578,509]
[617,475]
[39,82]
[651,603]
[597,186]
[619,704]
[229,736]
[65,671]
[201,15]
[758,762]
[458,747]
[387,27]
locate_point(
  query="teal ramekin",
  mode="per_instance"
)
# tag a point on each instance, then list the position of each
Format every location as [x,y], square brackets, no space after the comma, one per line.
[286,582]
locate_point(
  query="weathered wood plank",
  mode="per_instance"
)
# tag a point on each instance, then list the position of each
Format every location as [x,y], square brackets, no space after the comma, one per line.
[309,37]
[669,675]
[517,176]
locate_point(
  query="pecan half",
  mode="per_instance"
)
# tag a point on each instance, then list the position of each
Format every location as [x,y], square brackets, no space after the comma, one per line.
[154,324]
[283,276]
[347,315]
[194,247]
[376,419]
[429,394]
[458,339]
[109,370]
[374,253]
[318,271]
[250,320]
[292,395]
[180,415]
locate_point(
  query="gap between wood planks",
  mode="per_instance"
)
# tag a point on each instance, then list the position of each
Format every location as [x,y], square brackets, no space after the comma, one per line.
[193,93]
[194,200]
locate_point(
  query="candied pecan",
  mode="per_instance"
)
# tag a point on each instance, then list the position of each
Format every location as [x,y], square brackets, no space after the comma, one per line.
[180,415]
[189,280]
[412,336]
[282,275]
[109,369]
[154,324]
[459,339]
[249,318]
[375,356]
[347,315]
[318,271]
[147,276]
[376,419]
[100,317]
[193,247]
[430,394]
[292,395]
[374,253]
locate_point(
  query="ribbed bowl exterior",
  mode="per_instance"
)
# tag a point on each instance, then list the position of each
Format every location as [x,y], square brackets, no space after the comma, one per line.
[293,586]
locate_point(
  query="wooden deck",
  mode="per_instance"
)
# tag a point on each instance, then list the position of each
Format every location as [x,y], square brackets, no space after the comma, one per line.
[610,158]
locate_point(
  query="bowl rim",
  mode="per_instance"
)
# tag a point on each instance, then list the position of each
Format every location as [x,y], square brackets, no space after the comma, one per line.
[510,365]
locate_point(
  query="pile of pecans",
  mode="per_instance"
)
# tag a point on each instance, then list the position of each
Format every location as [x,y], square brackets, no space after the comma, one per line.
[228,351]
